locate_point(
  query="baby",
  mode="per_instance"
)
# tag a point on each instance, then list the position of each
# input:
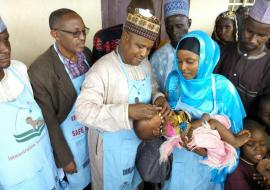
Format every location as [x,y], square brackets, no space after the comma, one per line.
[210,132]
[216,122]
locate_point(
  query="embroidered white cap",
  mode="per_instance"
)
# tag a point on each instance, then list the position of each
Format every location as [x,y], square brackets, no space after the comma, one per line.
[176,7]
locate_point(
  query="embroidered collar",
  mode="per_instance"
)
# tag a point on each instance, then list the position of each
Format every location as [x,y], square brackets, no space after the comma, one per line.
[260,55]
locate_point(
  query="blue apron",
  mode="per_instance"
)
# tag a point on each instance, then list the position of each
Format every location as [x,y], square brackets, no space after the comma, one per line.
[187,171]
[120,148]
[26,155]
[76,136]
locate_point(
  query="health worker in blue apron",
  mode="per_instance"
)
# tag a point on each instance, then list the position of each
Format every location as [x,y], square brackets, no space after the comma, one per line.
[26,156]
[120,147]
[194,88]
[118,90]
[56,77]
[76,136]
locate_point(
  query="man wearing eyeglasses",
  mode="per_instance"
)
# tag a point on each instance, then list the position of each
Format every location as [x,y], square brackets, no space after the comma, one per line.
[56,77]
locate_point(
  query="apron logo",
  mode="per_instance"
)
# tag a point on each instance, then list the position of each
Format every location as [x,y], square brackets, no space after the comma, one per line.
[77,132]
[37,127]
[27,149]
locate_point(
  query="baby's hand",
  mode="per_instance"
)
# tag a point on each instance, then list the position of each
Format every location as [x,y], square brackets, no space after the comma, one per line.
[200,122]
[197,123]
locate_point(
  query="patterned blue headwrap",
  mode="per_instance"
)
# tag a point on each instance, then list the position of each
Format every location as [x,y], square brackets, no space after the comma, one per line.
[176,7]
[198,92]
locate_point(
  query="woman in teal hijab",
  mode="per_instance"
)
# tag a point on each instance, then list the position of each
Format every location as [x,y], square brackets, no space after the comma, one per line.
[194,88]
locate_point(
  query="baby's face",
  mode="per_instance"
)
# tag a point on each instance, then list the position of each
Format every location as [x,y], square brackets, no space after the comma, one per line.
[256,148]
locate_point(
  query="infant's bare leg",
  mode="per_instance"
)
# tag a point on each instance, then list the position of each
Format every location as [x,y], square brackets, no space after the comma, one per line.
[228,136]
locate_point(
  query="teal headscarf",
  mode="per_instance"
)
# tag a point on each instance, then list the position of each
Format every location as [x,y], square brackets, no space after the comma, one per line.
[196,91]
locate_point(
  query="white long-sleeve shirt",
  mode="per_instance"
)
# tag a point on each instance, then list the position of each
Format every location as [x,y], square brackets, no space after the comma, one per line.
[10,85]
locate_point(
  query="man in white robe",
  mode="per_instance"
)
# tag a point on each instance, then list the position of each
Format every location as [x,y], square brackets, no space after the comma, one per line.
[104,102]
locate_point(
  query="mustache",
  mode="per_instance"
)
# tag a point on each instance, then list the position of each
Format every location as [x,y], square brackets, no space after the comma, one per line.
[4,55]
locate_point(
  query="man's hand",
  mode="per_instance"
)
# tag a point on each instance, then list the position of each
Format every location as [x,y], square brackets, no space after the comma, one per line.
[142,111]
[70,168]
[162,102]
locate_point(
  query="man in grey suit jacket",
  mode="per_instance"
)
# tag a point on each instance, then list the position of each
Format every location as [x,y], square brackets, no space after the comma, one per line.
[56,76]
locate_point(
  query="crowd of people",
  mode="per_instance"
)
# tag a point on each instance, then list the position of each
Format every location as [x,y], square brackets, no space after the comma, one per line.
[79,120]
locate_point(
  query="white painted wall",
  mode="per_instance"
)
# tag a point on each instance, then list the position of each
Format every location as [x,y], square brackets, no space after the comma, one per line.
[28,25]
[27,21]
[204,12]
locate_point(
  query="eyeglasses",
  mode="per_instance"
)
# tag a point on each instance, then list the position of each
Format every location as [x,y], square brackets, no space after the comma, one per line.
[76,34]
